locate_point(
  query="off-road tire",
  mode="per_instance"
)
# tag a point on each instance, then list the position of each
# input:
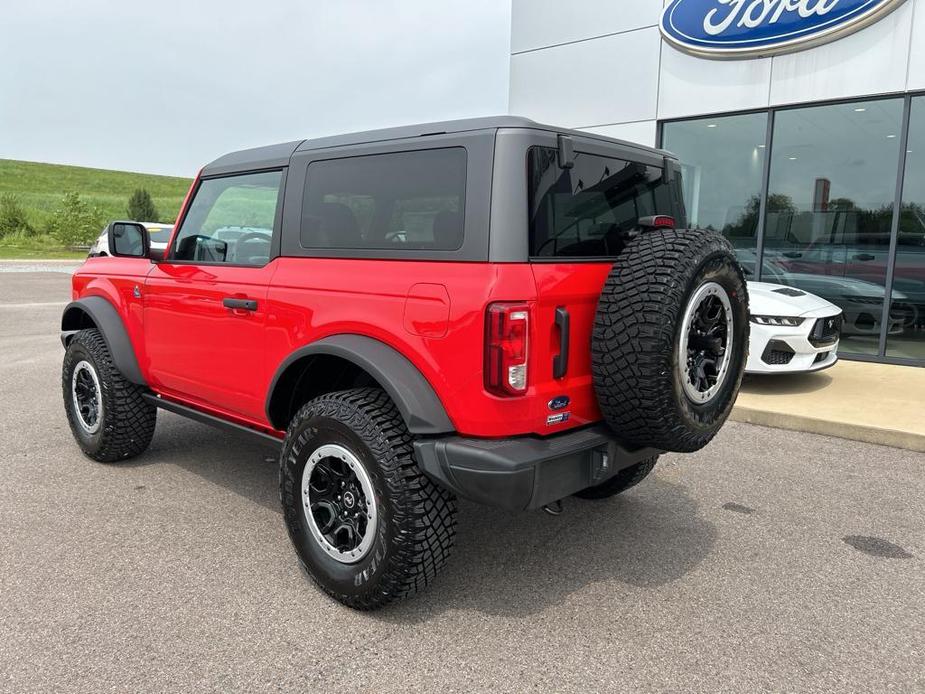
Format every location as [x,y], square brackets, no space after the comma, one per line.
[623,480]
[127,421]
[635,350]
[417,519]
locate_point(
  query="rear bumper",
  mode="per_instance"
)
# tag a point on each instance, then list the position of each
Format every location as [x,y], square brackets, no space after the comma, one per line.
[526,472]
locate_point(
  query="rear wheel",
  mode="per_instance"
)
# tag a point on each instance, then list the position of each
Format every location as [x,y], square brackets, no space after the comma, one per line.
[670,339]
[367,525]
[623,480]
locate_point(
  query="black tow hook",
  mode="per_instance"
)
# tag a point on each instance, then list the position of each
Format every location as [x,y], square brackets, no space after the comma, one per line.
[555,508]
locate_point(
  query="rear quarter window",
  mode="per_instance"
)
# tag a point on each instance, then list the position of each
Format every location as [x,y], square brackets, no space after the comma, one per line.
[585,211]
[398,201]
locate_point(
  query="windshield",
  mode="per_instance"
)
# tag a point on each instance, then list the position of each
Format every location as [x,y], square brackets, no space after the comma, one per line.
[584,211]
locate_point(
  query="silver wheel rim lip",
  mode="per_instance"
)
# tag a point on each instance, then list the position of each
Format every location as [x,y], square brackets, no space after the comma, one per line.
[333,450]
[85,366]
[704,292]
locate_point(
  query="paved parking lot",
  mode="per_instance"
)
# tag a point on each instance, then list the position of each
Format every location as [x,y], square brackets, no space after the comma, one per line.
[770,561]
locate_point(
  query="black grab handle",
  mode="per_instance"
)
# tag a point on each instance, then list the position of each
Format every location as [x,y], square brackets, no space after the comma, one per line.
[246,304]
[560,361]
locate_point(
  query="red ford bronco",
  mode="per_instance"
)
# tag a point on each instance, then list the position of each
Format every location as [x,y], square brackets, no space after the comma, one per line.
[489,308]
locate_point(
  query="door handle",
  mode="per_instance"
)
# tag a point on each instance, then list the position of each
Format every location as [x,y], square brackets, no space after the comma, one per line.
[864,256]
[560,361]
[792,254]
[241,304]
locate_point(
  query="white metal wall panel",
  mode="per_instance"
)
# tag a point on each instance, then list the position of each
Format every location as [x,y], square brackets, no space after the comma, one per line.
[690,86]
[916,79]
[630,77]
[872,61]
[607,80]
[642,133]
[541,23]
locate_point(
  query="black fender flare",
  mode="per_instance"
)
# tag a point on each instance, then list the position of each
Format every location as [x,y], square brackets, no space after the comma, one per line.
[411,392]
[107,320]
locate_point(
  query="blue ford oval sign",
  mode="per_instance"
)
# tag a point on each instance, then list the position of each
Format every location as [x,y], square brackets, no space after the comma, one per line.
[751,28]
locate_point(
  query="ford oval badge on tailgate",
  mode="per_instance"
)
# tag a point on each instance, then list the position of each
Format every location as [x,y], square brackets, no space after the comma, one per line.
[559,402]
[750,28]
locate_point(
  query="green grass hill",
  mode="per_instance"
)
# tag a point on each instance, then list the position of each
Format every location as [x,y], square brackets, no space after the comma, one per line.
[39,189]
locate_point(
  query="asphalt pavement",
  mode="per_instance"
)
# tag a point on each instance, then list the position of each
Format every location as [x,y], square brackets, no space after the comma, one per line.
[770,561]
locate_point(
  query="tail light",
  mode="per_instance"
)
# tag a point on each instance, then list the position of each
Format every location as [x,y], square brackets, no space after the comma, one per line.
[507,326]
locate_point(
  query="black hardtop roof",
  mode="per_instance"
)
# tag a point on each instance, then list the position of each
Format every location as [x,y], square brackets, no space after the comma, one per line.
[278,155]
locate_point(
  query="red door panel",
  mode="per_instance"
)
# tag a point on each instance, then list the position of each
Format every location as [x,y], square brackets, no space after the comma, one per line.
[198,348]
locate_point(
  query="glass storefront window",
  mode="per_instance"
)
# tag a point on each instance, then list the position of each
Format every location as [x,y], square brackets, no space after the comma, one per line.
[830,206]
[906,335]
[722,161]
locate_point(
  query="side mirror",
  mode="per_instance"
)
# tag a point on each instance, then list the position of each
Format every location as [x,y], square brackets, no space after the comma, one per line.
[128,240]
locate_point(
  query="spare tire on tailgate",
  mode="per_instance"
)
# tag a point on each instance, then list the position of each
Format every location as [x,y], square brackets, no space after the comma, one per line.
[670,339]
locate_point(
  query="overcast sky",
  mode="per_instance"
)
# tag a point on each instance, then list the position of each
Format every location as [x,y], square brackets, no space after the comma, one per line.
[167,86]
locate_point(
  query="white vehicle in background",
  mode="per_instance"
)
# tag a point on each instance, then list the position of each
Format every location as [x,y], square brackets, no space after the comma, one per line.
[159,234]
[791,330]
[860,301]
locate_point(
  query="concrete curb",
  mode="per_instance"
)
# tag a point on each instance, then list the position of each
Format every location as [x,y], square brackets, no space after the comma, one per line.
[856,432]
[41,261]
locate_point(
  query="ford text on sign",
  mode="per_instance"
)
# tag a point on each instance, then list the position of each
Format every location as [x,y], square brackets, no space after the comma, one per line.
[750,28]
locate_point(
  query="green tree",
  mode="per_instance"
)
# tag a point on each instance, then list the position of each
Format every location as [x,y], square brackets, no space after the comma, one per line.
[746,226]
[13,218]
[75,223]
[141,207]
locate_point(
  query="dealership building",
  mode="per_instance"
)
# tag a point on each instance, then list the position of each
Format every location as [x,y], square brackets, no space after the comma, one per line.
[800,125]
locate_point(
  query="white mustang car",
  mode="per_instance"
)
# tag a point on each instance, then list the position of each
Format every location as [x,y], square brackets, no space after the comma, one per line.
[791,330]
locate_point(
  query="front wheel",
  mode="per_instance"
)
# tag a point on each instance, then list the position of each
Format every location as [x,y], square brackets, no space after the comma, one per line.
[109,418]
[367,525]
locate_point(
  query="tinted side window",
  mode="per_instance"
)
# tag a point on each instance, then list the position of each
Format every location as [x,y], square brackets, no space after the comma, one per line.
[583,211]
[230,220]
[402,200]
